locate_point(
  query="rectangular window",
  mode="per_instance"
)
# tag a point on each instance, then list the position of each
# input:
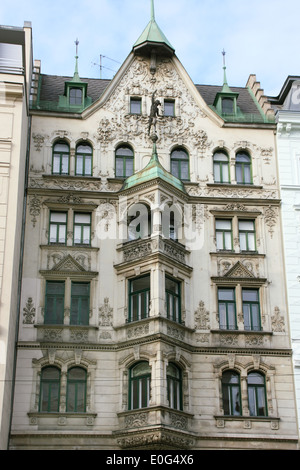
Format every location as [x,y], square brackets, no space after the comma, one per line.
[139,298]
[169,108]
[135,106]
[251,309]
[224,235]
[227,309]
[82,229]
[247,235]
[58,227]
[80,303]
[54,304]
[173,299]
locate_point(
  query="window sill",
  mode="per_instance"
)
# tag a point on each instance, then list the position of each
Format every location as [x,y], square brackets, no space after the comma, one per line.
[71,177]
[221,421]
[234,185]
[242,332]
[39,418]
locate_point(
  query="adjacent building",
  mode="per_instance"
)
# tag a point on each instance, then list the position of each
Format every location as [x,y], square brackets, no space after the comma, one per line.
[153,307]
[15,83]
[287,109]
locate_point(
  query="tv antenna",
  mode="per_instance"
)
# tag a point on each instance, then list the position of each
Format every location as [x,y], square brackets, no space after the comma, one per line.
[102,66]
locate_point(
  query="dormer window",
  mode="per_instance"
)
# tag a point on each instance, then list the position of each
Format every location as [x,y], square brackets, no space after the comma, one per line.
[227,106]
[75,96]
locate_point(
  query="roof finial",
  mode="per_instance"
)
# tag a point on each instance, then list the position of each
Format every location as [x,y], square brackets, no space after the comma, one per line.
[76,75]
[152,11]
[224,67]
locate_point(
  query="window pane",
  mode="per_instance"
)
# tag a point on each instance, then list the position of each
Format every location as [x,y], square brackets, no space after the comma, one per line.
[217,172]
[86,235]
[243,241]
[119,167]
[88,165]
[65,164]
[225,173]
[128,167]
[58,217]
[226,294]
[250,295]
[239,174]
[140,284]
[247,174]
[77,234]
[184,170]
[135,106]
[228,241]
[172,285]
[227,106]
[82,218]
[243,158]
[231,316]
[175,169]
[62,234]
[246,225]
[220,157]
[124,151]
[169,108]
[56,164]
[61,148]
[79,165]
[223,224]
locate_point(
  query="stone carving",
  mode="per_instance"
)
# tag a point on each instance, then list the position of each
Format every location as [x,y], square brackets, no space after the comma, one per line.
[202,317]
[69,264]
[178,422]
[34,208]
[105,314]
[78,335]
[277,321]
[38,140]
[175,333]
[270,219]
[53,334]
[254,340]
[29,312]
[138,331]
[239,271]
[136,420]
[229,340]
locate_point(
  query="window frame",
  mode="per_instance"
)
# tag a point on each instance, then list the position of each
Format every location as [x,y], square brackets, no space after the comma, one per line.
[48,296]
[227,326]
[243,165]
[82,225]
[170,103]
[174,388]
[224,231]
[179,162]
[85,156]
[125,159]
[76,383]
[175,299]
[251,314]
[131,294]
[247,233]
[256,388]
[50,383]
[229,387]
[221,164]
[75,98]
[141,393]
[82,316]
[133,101]
[57,225]
[60,155]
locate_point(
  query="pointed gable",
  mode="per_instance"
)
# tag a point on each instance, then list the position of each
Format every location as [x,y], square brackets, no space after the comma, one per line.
[239,271]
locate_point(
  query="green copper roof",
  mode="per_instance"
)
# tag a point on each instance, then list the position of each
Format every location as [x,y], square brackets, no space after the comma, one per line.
[153,34]
[152,171]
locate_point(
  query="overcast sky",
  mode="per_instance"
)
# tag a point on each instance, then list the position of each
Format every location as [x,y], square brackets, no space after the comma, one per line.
[259,36]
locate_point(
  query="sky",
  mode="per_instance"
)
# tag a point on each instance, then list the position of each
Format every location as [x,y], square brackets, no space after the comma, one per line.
[260,37]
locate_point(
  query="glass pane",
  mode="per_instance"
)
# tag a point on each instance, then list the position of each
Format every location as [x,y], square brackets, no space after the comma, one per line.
[58,217]
[135,106]
[144,392]
[252,401]
[135,395]
[247,319]
[243,158]
[119,167]
[50,373]
[124,151]
[172,285]
[261,402]
[86,235]
[251,242]
[173,371]
[82,218]
[55,287]
[235,397]
[250,295]
[222,316]
[246,225]
[220,242]
[228,244]
[140,284]
[79,165]
[65,164]
[255,378]
[61,148]
[80,289]
[62,234]
[77,234]
[129,167]
[179,155]
[247,174]
[231,316]
[56,164]
[175,169]
[217,172]
[226,294]
[184,170]
[230,378]
[223,224]
[227,106]
[88,165]
[239,174]
[84,148]
[243,241]
[53,234]
[225,174]
[140,369]
[169,108]
[77,373]
[220,157]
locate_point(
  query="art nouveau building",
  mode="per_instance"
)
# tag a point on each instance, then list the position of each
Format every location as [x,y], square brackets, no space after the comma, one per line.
[153,309]
[287,109]
[15,81]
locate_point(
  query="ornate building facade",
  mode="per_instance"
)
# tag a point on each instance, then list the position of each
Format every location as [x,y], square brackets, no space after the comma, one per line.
[153,310]
[287,109]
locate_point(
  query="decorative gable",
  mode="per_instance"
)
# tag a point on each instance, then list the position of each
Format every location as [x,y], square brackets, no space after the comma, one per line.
[68,264]
[240,271]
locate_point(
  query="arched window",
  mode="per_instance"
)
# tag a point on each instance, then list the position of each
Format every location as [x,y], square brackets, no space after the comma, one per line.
[84,160]
[231,393]
[139,386]
[124,162]
[76,390]
[174,386]
[180,166]
[257,394]
[60,158]
[49,391]
[221,168]
[243,168]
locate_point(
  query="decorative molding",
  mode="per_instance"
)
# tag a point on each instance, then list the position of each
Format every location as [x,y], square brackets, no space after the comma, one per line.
[106,314]
[202,317]
[29,312]
[277,321]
